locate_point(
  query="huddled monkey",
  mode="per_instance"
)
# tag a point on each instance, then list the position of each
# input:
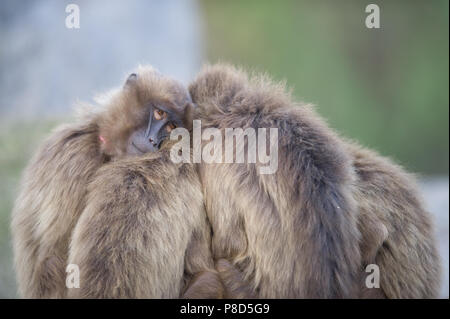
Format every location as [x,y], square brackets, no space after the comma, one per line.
[142,117]
[142,226]
[331,209]
[65,182]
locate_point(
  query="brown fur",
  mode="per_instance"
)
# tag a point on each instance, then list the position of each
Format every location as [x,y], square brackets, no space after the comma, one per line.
[143,232]
[51,199]
[309,230]
[397,232]
[205,285]
[54,195]
[233,281]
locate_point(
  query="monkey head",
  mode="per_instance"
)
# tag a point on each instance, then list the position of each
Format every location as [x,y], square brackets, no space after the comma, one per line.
[139,117]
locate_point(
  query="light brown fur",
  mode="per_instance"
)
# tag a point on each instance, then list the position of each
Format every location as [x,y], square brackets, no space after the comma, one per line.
[55,193]
[398,235]
[309,230]
[51,199]
[143,233]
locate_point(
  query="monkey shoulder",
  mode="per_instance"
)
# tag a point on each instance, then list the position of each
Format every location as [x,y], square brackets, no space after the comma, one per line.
[71,151]
[152,180]
[60,169]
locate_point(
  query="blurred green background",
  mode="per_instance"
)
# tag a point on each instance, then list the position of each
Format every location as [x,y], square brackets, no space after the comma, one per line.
[386,88]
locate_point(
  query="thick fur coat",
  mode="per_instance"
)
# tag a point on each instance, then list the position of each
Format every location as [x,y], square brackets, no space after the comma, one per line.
[135,219]
[332,207]
[145,227]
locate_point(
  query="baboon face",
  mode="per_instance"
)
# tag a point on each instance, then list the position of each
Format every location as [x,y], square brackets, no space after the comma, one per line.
[149,137]
[142,116]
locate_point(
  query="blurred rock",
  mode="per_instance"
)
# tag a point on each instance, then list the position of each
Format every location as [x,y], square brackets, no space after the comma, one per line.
[435,192]
[45,67]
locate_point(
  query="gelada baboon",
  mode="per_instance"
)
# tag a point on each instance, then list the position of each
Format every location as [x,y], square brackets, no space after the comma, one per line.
[112,142]
[331,208]
[306,231]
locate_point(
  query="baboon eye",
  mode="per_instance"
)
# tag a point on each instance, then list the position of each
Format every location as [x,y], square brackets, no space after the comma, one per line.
[170,127]
[158,114]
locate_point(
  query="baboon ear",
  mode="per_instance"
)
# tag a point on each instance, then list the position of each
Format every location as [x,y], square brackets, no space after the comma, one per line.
[189,115]
[131,80]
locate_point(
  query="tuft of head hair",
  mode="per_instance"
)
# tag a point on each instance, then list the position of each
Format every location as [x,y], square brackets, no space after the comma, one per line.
[232,87]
